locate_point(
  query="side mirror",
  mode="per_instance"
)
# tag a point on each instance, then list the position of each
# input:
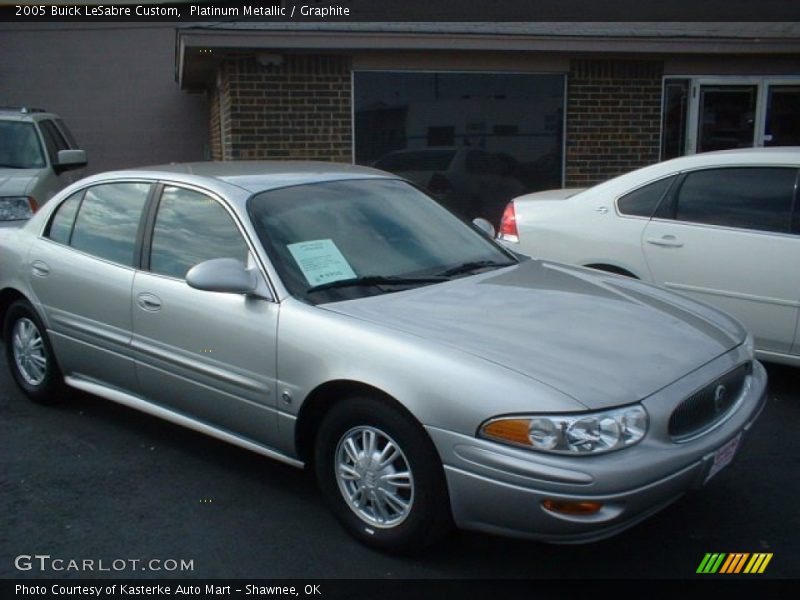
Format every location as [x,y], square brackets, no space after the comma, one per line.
[70,159]
[484,226]
[226,275]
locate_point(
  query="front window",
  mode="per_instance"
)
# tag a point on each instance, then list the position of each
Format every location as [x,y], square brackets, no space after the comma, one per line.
[323,233]
[19,146]
[191,228]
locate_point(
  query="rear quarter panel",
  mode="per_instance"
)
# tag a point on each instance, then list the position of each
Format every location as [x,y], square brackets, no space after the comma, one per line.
[582,230]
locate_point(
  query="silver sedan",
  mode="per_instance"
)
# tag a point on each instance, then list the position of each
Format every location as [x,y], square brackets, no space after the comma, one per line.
[337,317]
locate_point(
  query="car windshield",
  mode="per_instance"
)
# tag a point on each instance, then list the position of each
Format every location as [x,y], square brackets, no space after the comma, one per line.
[348,239]
[19,146]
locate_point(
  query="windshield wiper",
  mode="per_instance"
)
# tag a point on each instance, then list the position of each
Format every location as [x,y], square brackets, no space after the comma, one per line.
[474,266]
[374,280]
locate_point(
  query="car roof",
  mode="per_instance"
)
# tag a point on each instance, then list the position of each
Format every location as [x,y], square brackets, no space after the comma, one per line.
[252,176]
[777,156]
[21,113]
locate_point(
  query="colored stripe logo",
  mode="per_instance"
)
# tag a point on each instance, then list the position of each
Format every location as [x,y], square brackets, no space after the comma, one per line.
[734,563]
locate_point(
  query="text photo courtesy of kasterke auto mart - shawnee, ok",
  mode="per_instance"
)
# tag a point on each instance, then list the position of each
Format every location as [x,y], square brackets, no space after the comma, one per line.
[326,301]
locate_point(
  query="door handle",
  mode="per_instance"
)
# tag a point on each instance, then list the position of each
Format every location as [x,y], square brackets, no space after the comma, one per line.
[148,301]
[40,269]
[667,241]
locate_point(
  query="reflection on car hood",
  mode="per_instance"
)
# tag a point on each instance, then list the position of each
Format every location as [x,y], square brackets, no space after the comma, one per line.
[604,340]
[15,182]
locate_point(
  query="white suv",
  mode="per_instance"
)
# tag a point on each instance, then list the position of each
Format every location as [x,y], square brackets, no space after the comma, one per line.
[38,157]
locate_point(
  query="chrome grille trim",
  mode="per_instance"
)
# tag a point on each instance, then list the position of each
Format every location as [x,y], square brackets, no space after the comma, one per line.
[700,413]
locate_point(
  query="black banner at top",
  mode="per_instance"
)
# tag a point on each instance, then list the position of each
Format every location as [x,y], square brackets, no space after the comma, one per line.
[343,11]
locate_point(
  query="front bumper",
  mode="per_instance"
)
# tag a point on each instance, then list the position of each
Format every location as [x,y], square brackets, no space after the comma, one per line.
[499,489]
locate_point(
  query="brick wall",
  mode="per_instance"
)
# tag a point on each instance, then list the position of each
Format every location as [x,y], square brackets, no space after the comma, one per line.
[613,118]
[214,130]
[300,109]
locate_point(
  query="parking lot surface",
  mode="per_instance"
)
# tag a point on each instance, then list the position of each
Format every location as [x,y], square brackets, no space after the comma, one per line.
[91,480]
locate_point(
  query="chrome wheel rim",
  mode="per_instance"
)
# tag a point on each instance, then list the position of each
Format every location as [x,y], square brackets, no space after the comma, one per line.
[374,477]
[28,349]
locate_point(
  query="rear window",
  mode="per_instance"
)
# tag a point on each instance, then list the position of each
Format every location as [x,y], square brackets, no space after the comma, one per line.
[643,202]
[108,221]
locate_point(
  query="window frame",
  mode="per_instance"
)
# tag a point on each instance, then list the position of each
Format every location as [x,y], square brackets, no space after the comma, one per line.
[44,233]
[147,223]
[763,84]
[266,270]
[152,216]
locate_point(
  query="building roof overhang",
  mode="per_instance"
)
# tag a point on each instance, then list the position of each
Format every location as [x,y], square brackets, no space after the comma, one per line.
[200,47]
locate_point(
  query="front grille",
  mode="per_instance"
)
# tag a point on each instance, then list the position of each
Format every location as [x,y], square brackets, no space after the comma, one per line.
[704,408]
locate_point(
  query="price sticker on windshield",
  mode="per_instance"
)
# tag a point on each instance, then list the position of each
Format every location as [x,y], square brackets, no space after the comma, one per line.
[321,261]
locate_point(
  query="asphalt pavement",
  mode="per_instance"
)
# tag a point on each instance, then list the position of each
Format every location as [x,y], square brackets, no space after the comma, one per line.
[93,481]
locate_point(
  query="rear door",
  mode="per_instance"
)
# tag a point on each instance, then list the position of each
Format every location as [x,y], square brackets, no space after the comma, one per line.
[82,270]
[726,237]
[210,356]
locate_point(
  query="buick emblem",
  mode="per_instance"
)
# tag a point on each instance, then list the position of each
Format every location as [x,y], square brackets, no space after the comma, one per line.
[719,397]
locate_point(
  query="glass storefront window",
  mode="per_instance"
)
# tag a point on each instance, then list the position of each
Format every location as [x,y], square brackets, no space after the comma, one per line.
[783,116]
[676,107]
[719,113]
[473,140]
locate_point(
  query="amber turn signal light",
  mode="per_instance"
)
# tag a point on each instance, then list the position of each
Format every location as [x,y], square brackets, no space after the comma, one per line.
[510,430]
[569,507]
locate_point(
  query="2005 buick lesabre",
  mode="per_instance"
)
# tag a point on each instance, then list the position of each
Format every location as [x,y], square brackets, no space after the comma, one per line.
[336,316]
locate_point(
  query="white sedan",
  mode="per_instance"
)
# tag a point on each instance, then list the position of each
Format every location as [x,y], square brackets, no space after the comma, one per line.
[722,227]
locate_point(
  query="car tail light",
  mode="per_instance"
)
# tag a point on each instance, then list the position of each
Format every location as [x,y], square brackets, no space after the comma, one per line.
[508,225]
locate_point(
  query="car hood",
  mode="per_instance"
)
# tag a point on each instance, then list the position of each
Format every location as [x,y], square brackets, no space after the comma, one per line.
[601,339]
[16,182]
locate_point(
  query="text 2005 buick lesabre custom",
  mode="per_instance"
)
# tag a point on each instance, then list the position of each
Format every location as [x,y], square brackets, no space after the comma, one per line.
[336,316]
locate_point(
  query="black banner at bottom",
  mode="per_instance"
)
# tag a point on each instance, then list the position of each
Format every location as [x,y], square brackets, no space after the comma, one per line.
[393,589]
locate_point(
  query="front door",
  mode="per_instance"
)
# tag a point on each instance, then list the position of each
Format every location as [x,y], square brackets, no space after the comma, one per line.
[721,113]
[782,127]
[210,356]
[726,117]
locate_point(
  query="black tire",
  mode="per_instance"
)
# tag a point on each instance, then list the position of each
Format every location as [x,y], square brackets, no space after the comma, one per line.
[49,387]
[428,516]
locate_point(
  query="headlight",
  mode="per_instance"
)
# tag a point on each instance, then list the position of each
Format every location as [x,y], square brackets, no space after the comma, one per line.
[16,208]
[580,433]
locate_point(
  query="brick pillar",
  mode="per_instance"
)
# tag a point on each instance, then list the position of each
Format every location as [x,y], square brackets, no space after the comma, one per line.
[214,128]
[613,118]
[300,109]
